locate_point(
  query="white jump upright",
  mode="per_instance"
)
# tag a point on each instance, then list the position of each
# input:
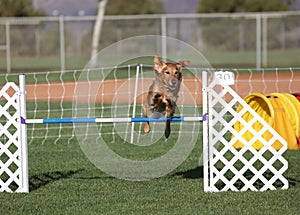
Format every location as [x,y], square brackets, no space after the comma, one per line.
[23,130]
[13,144]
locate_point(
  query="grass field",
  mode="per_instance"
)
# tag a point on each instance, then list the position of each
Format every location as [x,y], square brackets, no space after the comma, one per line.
[63,181]
[218,59]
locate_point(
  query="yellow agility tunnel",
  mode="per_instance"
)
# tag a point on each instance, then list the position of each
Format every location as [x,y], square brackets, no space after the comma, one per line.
[292,108]
[280,110]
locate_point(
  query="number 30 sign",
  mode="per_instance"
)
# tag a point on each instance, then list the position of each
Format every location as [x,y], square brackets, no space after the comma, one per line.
[225,76]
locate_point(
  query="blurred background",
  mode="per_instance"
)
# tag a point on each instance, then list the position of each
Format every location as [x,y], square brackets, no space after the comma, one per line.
[46,35]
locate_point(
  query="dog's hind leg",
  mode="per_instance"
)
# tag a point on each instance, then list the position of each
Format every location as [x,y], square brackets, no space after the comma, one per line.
[168,115]
[170,109]
[168,129]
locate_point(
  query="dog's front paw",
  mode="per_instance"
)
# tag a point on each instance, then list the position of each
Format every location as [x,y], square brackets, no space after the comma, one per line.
[146,128]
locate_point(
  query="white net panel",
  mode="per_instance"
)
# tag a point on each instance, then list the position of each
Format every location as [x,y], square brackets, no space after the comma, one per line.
[51,95]
[120,93]
[266,81]
[103,93]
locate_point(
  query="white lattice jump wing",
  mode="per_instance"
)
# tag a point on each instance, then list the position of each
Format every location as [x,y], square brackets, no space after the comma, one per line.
[11,150]
[246,168]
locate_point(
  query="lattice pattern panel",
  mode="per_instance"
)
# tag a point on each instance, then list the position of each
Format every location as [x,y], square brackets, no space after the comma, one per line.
[10,152]
[235,162]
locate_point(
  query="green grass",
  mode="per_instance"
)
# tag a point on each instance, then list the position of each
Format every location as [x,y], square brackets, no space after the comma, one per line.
[63,181]
[247,59]
[217,58]
[51,63]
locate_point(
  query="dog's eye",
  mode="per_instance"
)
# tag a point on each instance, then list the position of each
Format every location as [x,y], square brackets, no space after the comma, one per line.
[167,72]
[176,73]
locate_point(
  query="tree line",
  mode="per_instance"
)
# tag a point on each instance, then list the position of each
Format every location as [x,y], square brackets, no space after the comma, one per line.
[22,8]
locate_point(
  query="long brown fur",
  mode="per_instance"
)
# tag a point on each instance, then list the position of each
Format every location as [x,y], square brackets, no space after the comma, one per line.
[163,93]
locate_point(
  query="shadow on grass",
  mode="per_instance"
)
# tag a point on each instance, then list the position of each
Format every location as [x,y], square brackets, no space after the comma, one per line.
[293,182]
[40,180]
[95,177]
[193,173]
[198,173]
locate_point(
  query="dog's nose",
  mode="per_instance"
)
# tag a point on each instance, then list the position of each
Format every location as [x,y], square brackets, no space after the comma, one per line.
[174,81]
[157,95]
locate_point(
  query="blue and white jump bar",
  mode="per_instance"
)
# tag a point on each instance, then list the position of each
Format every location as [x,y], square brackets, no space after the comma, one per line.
[107,120]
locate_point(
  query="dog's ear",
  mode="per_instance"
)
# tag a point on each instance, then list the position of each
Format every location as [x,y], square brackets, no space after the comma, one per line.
[183,63]
[158,65]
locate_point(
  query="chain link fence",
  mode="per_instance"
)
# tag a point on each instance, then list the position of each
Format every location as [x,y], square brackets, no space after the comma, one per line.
[243,40]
